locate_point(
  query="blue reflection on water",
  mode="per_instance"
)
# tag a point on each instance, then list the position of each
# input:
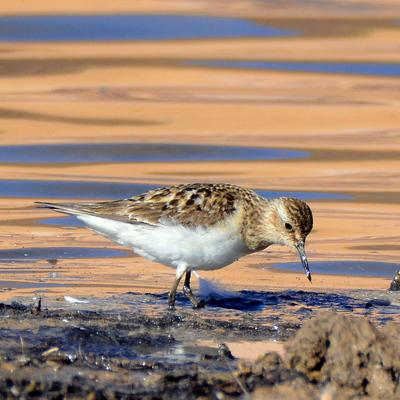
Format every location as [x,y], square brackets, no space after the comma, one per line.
[39,253]
[349,268]
[375,69]
[73,28]
[71,190]
[106,190]
[30,285]
[271,194]
[138,152]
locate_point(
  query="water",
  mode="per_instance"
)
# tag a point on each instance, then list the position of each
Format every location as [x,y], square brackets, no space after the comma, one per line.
[352,68]
[347,268]
[77,28]
[124,153]
[40,253]
[71,189]
[30,285]
[139,152]
[110,190]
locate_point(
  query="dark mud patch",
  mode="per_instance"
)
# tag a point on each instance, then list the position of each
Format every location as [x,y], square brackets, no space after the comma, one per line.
[132,347]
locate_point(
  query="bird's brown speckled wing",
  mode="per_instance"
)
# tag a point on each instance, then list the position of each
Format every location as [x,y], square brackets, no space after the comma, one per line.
[189,205]
[196,204]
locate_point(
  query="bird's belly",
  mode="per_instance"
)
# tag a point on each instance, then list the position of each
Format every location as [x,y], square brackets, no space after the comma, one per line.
[173,245]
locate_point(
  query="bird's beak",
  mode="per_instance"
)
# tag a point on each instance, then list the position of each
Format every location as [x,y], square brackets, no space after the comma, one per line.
[302,254]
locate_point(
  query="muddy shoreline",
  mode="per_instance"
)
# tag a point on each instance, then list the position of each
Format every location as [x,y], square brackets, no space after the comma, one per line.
[138,352]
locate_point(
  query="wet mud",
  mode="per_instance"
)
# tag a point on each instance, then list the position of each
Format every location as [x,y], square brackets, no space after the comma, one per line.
[131,347]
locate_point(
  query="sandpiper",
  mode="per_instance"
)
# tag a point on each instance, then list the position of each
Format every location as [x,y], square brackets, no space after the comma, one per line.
[199,226]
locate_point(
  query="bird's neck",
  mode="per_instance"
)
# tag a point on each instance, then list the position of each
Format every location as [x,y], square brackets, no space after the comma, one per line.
[256,223]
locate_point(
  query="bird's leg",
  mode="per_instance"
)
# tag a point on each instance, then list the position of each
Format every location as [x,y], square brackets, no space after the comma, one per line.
[189,294]
[172,293]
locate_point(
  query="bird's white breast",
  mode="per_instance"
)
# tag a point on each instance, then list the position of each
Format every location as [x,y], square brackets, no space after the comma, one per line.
[171,244]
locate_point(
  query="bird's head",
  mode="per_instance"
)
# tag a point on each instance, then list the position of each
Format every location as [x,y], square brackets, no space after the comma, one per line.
[293,221]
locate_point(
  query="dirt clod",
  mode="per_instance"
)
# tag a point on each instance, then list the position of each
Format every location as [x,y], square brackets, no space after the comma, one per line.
[348,353]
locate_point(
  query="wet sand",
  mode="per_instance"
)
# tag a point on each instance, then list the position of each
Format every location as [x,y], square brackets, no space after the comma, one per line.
[60,93]
[141,92]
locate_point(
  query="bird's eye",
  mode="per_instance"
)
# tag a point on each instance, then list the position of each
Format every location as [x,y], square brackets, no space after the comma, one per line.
[288,226]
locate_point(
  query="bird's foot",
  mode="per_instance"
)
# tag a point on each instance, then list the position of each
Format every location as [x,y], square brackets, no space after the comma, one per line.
[196,304]
[200,304]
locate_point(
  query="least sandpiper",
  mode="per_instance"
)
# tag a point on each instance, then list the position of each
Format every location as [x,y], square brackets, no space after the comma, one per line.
[197,226]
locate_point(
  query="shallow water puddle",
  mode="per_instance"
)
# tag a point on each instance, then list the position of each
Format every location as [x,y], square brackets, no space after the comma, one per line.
[352,68]
[46,273]
[139,152]
[71,189]
[29,254]
[111,190]
[348,268]
[9,285]
[71,28]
